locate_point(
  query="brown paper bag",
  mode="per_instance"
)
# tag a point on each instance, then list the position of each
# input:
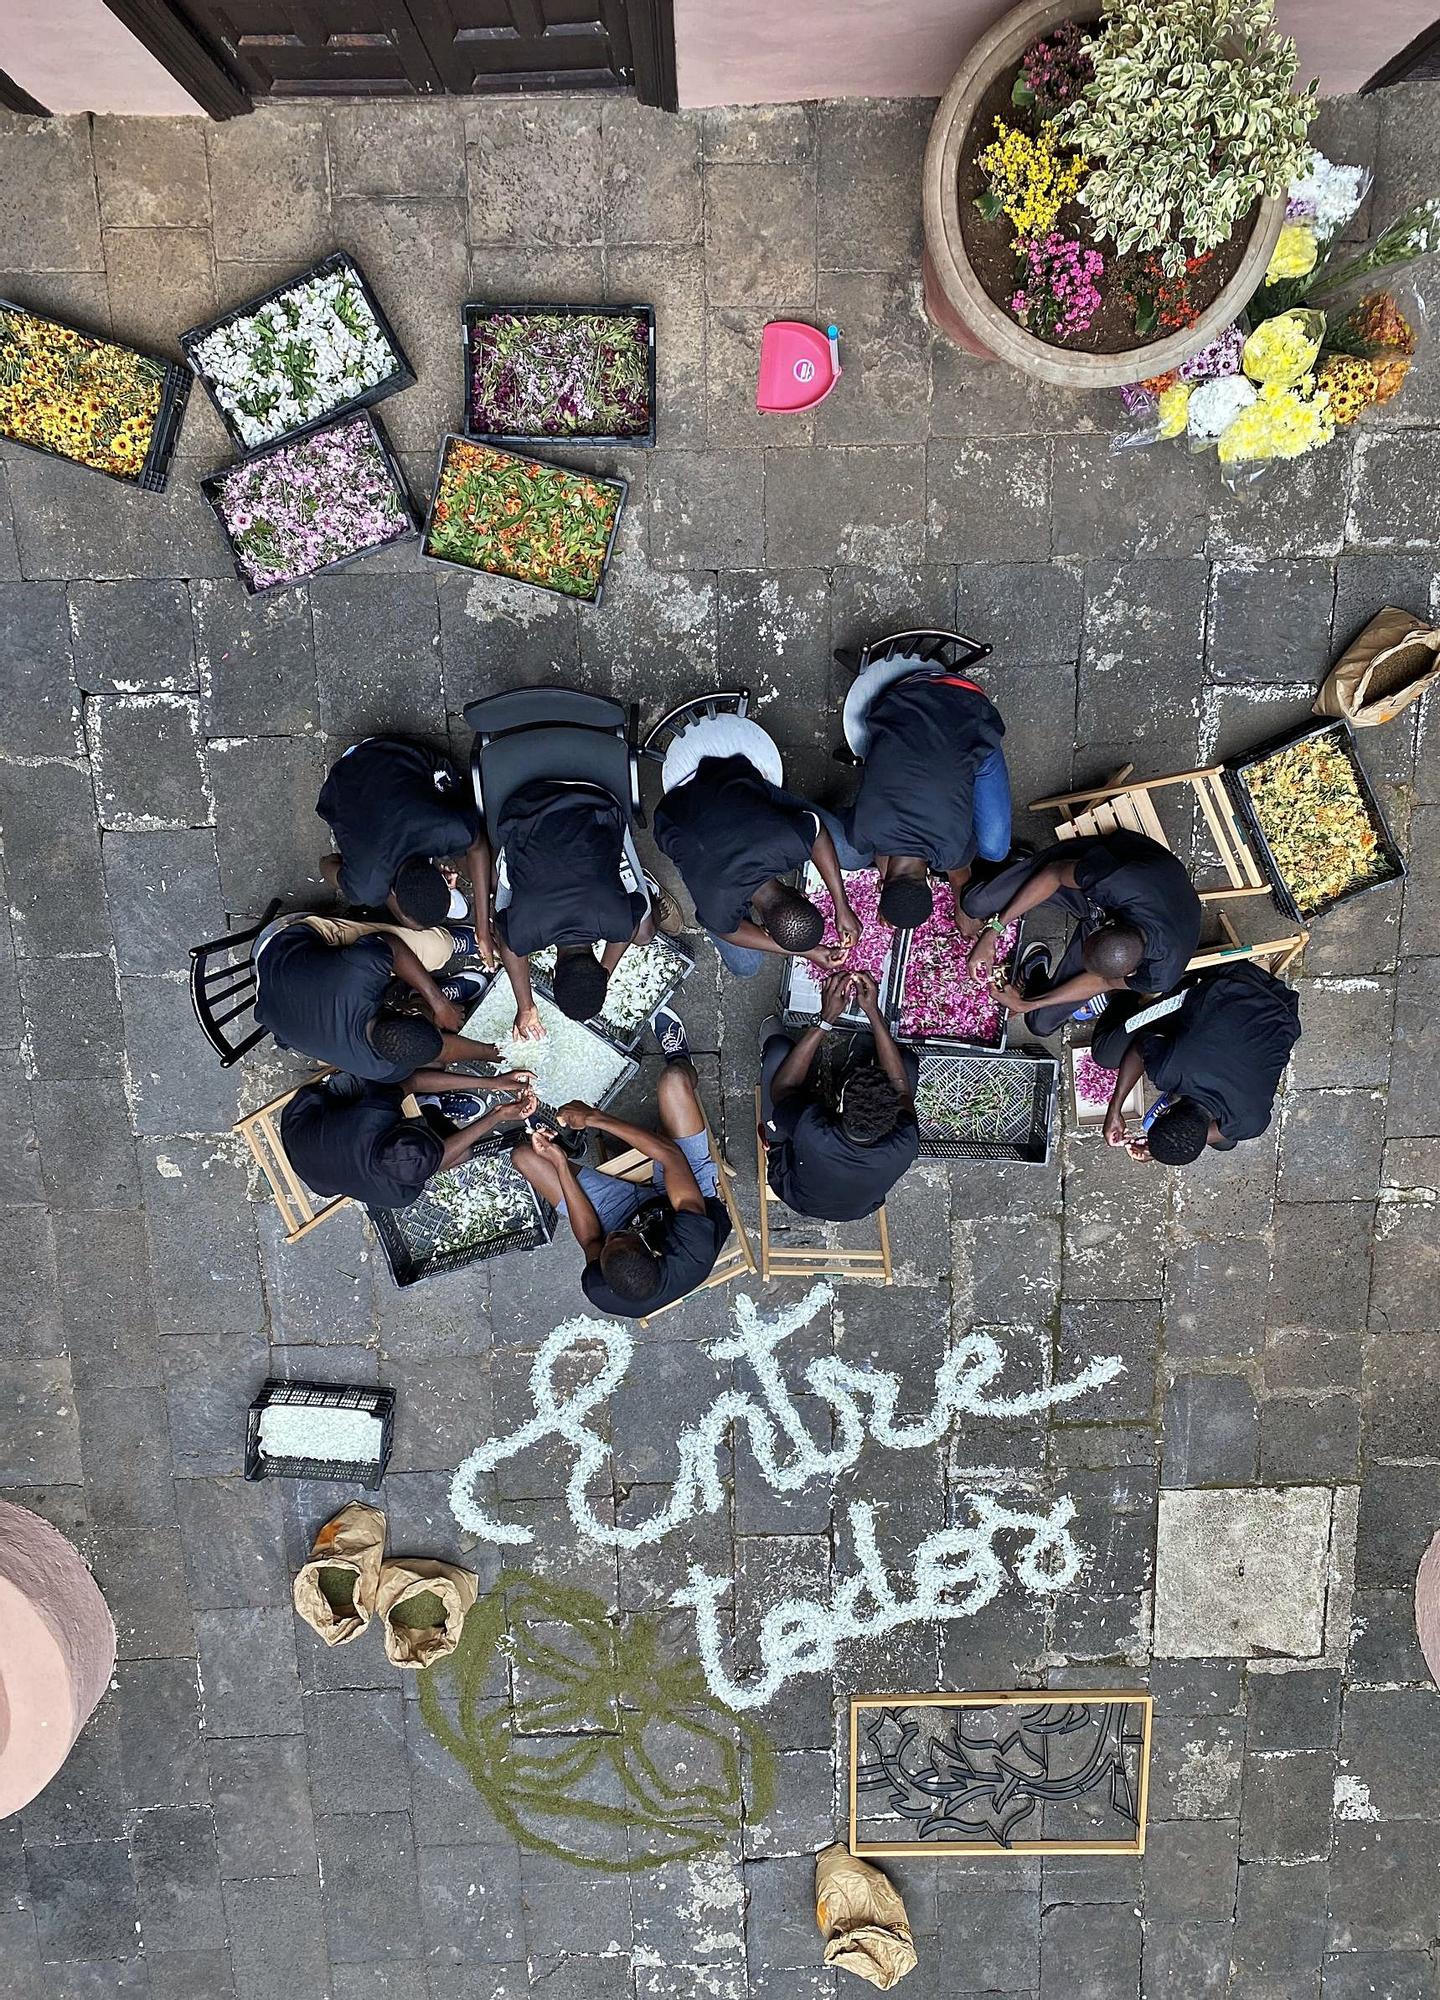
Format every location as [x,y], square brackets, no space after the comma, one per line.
[1381,672]
[862,1919]
[402,1582]
[353,1543]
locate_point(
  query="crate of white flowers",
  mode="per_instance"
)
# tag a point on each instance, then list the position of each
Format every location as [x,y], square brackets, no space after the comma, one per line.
[320,1430]
[310,350]
[570,1060]
[647,977]
[478,1210]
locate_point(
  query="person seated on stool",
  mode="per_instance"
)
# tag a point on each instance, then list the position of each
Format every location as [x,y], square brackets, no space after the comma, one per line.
[393,808]
[1139,925]
[322,984]
[935,790]
[1216,1052]
[838,1165]
[732,831]
[644,1247]
[567,875]
[345,1136]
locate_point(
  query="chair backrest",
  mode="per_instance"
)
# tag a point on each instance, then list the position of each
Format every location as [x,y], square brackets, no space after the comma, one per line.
[223,990]
[501,765]
[700,707]
[523,708]
[954,651]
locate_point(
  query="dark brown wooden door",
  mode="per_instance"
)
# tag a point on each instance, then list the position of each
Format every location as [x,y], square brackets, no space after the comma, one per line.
[365,48]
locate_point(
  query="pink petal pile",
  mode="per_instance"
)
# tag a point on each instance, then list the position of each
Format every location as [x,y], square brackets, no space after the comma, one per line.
[1093,1082]
[876,938]
[939,996]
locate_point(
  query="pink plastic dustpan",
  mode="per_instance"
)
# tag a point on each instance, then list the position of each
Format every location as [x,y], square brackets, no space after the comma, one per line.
[799,365]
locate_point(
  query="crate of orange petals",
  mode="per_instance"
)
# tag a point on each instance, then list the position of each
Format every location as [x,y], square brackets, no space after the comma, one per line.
[506,515]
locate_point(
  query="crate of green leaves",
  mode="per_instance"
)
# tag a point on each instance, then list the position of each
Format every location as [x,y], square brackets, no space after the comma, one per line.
[582,374]
[985,1107]
[502,514]
[481,1209]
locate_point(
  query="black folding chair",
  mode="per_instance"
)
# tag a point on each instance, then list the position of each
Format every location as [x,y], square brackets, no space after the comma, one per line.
[223,989]
[952,652]
[700,708]
[552,732]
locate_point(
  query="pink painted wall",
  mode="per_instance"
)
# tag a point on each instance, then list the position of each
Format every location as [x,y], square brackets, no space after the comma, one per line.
[776,51]
[74,55]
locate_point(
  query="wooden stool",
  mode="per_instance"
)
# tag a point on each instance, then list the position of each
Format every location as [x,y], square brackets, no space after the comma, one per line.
[873,1266]
[1129,806]
[737,1259]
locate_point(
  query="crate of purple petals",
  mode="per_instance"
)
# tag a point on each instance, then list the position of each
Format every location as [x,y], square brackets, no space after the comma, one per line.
[316,502]
[539,375]
[936,999]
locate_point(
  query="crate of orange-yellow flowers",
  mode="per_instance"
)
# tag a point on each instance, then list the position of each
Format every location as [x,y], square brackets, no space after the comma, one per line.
[95,401]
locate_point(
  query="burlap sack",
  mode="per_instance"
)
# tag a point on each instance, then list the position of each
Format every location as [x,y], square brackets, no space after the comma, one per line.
[1381,672]
[422,1645]
[862,1919]
[354,1541]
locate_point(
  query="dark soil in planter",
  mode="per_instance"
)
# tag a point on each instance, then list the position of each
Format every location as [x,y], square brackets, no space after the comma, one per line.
[987,244]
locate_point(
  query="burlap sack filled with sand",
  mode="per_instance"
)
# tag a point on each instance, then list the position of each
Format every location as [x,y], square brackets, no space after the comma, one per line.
[1381,672]
[862,1919]
[352,1546]
[412,1590]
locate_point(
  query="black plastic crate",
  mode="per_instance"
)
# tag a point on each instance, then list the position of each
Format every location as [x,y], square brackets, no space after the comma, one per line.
[474,315]
[210,488]
[627,1044]
[154,472]
[621,486]
[321,1395]
[541,985]
[901,970]
[1237,772]
[407,1236]
[402,377]
[1022,1124]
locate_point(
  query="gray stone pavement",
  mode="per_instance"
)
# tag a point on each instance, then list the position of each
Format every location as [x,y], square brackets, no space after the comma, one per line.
[248,1816]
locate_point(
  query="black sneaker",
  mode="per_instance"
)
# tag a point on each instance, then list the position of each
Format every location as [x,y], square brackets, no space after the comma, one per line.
[1035,964]
[669,1031]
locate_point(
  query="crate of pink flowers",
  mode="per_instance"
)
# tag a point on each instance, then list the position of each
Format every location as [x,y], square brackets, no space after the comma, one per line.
[936,999]
[875,953]
[1090,1087]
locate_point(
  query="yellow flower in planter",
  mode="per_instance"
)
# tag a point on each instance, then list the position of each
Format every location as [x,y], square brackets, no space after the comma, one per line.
[1174,409]
[1296,249]
[1284,421]
[1282,349]
[1030,180]
[1350,383]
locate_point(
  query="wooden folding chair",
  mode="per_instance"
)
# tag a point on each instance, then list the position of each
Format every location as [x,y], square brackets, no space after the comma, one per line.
[1129,805]
[810,1260]
[737,1259]
[300,1210]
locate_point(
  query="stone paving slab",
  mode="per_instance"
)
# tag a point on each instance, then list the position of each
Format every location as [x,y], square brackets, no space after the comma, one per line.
[251,1816]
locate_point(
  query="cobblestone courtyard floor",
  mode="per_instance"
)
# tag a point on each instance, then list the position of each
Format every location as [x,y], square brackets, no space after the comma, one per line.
[250,1817]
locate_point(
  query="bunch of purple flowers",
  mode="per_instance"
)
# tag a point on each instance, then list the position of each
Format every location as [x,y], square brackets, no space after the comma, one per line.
[294,510]
[1055,70]
[1057,295]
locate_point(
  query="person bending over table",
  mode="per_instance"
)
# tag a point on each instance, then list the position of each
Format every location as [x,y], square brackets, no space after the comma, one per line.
[644,1247]
[1139,924]
[346,1136]
[567,875]
[393,808]
[322,985]
[1216,1052]
[838,1165]
[934,793]
[732,833]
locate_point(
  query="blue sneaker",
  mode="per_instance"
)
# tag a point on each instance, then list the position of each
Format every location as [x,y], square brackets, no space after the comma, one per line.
[669,1031]
[1092,1009]
[463,936]
[460,1107]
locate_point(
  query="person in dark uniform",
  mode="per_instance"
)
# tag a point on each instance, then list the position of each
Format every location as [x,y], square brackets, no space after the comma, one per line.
[1139,924]
[394,809]
[935,791]
[322,985]
[1216,1052]
[838,1165]
[732,833]
[346,1136]
[567,876]
[644,1247]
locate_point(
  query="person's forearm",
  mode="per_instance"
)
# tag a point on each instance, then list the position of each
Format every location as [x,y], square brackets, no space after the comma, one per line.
[797,1065]
[959,880]
[1132,1068]
[752,938]
[430,1081]
[477,866]
[407,967]
[584,1222]
[613,953]
[887,1052]
[518,972]
[1040,887]
[460,1049]
[654,1145]
[461,1144]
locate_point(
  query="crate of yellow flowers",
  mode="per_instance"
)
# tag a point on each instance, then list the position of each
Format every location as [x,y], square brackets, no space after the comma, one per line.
[79,396]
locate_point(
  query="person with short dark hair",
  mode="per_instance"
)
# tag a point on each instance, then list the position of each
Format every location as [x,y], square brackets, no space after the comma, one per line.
[566,875]
[838,1165]
[346,1136]
[644,1247]
[934,790]
[1216,1052]
[395,809]
[733,832]
[323,987]
[1138,929]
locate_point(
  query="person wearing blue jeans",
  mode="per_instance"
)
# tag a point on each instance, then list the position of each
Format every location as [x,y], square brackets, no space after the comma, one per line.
[934,791]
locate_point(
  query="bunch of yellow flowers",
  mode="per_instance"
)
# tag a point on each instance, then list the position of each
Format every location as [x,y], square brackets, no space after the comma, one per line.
[1285,421]
[1282,349]
[1030,179]
[1350,383]
[1295,252]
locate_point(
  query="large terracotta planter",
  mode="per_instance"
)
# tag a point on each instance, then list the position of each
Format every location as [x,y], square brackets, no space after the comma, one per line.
[955,299]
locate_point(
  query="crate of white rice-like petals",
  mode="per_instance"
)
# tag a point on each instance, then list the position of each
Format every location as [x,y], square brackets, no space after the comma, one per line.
[320,1430]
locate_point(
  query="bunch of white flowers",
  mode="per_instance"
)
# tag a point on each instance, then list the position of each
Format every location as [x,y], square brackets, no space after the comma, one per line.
[296,358]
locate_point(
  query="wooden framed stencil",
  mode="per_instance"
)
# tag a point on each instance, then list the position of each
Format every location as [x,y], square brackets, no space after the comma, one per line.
[1038,1771]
